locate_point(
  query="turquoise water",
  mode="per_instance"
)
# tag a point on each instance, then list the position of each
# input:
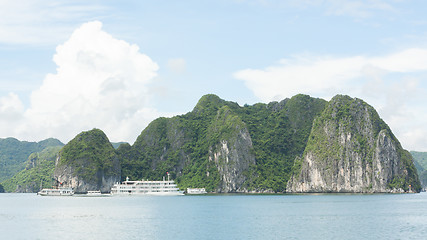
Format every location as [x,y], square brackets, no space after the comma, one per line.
[335,216]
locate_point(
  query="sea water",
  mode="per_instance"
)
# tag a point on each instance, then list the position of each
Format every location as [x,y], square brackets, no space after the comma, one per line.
[322,216]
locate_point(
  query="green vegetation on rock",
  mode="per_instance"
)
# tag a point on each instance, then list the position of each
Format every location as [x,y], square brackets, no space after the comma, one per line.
[420,160]
[90,155]
[14,154]
[411,177]
[279,131]
[38,172]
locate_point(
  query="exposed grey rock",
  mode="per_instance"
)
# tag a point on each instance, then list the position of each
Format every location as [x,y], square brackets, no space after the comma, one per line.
[232,158]
[233,153]
[66,176]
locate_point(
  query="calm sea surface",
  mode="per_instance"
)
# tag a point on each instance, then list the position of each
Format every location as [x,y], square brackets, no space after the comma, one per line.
[335,216]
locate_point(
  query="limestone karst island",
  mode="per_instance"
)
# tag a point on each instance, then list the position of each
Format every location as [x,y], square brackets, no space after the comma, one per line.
[297,145]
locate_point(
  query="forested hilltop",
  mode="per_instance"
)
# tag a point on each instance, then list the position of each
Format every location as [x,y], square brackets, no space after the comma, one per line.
[87,163]
[301,144]
[15,153]
[38,172]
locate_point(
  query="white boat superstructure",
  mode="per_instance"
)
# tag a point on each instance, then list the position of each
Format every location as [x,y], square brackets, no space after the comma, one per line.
[168,188]
[61,191]
[196,191]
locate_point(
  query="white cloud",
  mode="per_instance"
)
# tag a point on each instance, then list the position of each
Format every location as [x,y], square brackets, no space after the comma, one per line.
[295,75]
[394,84]
[11,114]
[11,108]
[324,75]
[100,82]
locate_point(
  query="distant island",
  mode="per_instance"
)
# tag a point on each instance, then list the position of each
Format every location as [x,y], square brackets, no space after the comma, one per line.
[297,145]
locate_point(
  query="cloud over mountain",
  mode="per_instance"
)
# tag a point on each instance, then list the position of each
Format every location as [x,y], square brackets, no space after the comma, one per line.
[100,81]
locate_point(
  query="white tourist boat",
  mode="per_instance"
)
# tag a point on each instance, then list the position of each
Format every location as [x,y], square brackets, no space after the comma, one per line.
[145,187]
[196,191]
[61,191]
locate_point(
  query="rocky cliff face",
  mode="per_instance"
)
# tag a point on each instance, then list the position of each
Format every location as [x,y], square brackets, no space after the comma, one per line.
[88,162]
[231,151]
[350,149]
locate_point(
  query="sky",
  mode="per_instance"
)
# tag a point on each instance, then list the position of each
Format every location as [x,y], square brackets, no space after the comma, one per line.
[71,66]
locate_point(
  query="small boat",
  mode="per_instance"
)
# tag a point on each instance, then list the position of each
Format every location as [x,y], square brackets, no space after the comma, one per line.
[94,193]
[61,191]
[196,191]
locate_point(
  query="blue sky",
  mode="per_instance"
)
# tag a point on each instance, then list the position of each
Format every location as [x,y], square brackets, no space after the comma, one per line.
[70,66]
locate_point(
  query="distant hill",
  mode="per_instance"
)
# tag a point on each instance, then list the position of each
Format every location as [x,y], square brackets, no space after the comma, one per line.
[38,172]
[420,160]
[117,144]
[14,154]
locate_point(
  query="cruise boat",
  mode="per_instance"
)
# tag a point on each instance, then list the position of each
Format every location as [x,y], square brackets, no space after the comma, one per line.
[145,187]
[61,191]
[196,191]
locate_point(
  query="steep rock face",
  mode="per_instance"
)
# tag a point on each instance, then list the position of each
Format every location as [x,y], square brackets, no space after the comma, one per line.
[350,149]
[232,151]
[88,162]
